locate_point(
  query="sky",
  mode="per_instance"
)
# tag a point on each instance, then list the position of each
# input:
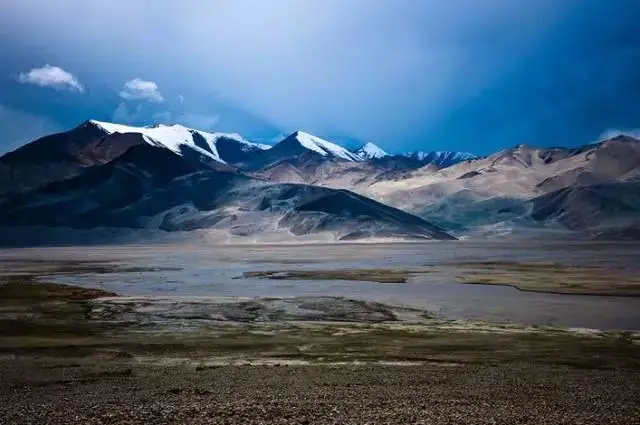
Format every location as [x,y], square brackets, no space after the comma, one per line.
[464,75]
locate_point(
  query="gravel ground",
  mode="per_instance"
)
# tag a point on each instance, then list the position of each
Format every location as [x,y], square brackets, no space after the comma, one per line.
[36,391]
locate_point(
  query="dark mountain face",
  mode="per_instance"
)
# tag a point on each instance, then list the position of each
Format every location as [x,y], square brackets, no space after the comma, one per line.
[442,159]
[175,178]
[301,168]
[342,203]
[235,153]
[289,150]
[115,184]
[300,145]
[64,155]
[607,205]
[153,188]
[397,162]
[56,157]
[312,168]
[66,146]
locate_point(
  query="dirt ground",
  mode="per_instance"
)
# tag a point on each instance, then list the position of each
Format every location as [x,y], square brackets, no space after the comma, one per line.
[119,391]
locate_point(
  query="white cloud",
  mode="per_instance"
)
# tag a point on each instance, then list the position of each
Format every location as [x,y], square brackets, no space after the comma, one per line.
[325,71]
[138,89]
[51,76]
[19,127]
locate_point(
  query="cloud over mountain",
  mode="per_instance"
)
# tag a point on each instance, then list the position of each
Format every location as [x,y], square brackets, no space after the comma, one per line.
[51,76]
[138,89]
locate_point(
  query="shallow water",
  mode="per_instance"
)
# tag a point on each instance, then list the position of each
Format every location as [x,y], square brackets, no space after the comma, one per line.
[198,270]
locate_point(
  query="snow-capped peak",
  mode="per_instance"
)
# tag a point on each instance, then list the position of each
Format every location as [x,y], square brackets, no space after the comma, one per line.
[238,138]
[176,137]
[441,158]
[323,147]
[172,137]
[370,151]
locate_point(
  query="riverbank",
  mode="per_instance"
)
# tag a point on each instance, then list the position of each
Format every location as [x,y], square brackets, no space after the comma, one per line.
[75,355]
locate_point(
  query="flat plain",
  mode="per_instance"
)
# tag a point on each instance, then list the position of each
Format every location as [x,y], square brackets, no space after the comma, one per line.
[363,333]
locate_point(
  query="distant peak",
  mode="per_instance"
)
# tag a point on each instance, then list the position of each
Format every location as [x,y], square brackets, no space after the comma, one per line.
[321,146]
[522,146]
[300,133]
[91,123]
[102,125]
[370,150]
[442,158]
[624,138]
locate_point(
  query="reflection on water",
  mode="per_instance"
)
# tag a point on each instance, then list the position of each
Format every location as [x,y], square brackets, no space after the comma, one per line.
[214,270]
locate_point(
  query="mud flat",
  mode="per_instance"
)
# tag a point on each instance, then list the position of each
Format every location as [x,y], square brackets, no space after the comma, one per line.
[532,283]
[552,278]
[52,320]
[75,355]
[366,275]
[167,335]
[118,360]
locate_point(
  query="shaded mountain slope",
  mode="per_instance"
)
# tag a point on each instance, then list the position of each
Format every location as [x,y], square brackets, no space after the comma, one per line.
[576,188]
[59,156]
[64,155]
[442,159]
[300,145]
[604,205]
[153,188]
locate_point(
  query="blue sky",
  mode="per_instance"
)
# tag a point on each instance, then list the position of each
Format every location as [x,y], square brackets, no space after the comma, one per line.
[463,75]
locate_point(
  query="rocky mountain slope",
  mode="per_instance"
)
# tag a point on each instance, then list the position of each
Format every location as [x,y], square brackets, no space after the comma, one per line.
[155,188]
[370,151]
[590,190]
[441,158]
[66,154]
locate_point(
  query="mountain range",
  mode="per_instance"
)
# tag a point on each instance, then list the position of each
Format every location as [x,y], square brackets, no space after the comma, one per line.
[117,181]
[174,179]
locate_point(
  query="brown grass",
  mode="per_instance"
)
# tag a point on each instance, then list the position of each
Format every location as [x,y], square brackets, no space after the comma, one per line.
[367,275]
[21,288]
[551,278]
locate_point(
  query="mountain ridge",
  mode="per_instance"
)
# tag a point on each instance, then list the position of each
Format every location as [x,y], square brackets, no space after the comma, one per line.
[153,188]
[587,189]
[370,151]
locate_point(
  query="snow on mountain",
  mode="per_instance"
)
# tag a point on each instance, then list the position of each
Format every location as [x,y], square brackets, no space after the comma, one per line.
[323,147]
[370,151]
[176,137]
[441,158]
[245,144]
[164,193]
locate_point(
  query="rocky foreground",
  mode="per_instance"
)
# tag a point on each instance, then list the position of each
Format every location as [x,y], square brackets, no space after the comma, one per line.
[119,392]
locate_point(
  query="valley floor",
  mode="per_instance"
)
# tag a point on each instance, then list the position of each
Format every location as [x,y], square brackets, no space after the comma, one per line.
[138,339]
[67,358]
